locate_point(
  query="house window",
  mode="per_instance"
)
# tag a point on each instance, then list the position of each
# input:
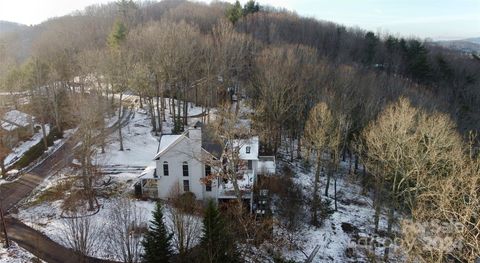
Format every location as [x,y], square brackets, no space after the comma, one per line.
[208,170]
[186,186]
[165,169]
[208,186]
[250,164]
[247,149]
[185,168]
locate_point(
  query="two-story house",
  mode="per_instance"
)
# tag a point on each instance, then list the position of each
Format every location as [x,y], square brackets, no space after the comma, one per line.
[181,165]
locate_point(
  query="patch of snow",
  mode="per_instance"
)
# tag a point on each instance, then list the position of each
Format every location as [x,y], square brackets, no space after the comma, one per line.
[23,147]
[15,254]
[354,208]
[140,146]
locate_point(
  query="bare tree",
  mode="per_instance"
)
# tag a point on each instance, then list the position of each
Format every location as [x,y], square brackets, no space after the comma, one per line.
[406,150]
[184,222]
[317,138]
[89,115]
[84,234]
[127,222]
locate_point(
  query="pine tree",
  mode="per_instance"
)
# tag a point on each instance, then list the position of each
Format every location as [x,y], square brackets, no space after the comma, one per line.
[235,12]
[157,240]
[217,243]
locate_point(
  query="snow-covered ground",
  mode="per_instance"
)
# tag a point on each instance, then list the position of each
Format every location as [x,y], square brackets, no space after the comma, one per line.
[341,236]
[15,254]
[140,146]
[124,167]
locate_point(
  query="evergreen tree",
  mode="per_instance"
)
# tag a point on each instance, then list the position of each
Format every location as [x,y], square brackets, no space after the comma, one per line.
[217,244]
[157,240]
[251,7]
[117,35]
[235,12]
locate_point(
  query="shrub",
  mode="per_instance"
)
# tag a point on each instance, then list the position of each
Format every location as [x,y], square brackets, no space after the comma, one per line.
[38,149]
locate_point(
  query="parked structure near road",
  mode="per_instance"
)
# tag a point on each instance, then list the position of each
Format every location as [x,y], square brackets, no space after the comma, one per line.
[16,126]
[181,163]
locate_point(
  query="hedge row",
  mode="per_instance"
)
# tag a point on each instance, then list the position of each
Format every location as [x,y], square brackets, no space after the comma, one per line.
[38,149]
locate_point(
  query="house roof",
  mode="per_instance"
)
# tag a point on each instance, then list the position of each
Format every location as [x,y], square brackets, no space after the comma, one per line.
[166,142]
[211,144]
[14,119]
[148,173]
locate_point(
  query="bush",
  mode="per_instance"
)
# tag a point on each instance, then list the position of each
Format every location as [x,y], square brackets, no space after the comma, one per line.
[38,149]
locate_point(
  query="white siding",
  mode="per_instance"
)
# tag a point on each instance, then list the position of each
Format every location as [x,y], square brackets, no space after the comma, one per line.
[183,151]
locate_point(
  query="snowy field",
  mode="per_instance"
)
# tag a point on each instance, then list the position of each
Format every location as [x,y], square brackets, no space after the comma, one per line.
[15,254]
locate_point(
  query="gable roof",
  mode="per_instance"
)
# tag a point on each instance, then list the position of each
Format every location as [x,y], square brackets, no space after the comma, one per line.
[167,142]
[211,144]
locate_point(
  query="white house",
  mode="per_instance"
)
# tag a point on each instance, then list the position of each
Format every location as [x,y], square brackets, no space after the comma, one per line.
[181,166]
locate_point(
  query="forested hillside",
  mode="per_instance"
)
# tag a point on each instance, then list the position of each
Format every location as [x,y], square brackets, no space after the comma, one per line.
[404,110]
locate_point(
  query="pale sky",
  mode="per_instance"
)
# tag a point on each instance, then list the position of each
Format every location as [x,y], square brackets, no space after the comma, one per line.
[437,19]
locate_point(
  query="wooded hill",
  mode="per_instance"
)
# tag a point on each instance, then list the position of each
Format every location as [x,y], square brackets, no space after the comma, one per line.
[316,88]
[386,66]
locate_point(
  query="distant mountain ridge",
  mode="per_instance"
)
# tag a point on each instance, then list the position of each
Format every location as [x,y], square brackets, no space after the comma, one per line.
[470,45]
[8,27]
[475,40]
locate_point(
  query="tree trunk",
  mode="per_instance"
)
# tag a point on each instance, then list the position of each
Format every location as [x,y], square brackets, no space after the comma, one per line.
[316,197]
[164,107]
[179,112]
[44,133]
[356,164]
[159,117]
[390,221]
[185,109]
[152,115]
[329,175]
[299,147]
[376,204]
[120,122]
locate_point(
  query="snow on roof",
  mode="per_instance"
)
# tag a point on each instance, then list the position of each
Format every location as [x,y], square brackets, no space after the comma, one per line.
[166,141]
[248,148]
[8,126]
[14,119]
[148,173]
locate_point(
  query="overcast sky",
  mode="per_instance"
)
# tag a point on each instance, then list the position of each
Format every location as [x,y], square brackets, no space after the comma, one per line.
[437,19]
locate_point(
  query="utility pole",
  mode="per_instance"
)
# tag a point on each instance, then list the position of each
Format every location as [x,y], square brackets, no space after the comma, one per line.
[7,241]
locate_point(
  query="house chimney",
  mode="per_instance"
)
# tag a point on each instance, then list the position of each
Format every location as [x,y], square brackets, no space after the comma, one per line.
[195,133]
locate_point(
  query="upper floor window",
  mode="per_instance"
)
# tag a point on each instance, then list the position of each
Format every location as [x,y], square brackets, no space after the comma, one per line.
[185,168]
[247,149]
[165,168]
[208,170]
